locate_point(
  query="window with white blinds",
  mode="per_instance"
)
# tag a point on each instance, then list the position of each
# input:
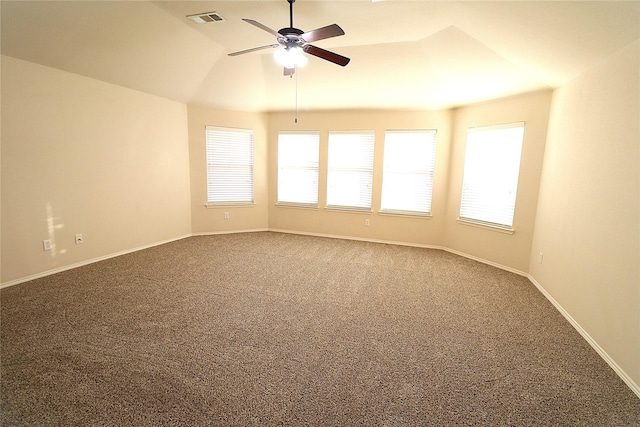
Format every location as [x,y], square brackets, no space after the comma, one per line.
[407,172]
[491,169]
[298,159]
[229,166]
[350,170]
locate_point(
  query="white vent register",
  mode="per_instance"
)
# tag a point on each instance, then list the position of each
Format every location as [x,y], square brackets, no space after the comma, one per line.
[203,18]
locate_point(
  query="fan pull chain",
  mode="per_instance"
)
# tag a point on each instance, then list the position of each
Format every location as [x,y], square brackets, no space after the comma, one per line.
[295,120]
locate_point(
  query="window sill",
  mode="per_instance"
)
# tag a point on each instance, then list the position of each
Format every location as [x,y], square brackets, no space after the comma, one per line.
[405,214]
[296,205]
[229,205]
[348,209]
[487,226]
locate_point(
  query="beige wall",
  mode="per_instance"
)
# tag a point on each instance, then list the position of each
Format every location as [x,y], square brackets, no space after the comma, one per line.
[442,229]
[414,230]
[508,250]
[588,220]
[84,156]
[128,169]
[608,310]
[241,218]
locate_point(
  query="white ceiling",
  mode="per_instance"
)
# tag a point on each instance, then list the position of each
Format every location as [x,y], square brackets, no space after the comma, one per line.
[404,54]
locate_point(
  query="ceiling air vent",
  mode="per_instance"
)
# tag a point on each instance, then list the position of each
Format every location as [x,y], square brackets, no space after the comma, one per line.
[203,18]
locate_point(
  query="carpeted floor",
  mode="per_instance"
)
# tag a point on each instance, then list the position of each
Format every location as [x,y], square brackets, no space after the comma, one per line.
[265,329]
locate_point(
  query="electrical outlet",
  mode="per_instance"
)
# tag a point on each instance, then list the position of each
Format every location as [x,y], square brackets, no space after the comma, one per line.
[367,222]
[46,245]
[540,258]
[226,215]
[79,239]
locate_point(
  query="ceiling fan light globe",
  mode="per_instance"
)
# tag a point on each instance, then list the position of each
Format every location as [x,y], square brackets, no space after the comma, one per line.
[291,57]
[299,58]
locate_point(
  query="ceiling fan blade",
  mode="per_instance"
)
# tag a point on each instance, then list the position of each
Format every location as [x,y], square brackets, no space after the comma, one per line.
[253,49]
[329,31]
[289,71]
[261,26]
[325,54]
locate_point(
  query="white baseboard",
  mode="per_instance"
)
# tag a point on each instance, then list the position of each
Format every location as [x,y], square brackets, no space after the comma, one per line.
[113,255]
[617,369]
[359,239]
[593,343]
[87,262]
[416,245]
[484,261]
[213,233]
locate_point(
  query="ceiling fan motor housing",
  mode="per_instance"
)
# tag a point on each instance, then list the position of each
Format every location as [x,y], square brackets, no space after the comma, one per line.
[290,37]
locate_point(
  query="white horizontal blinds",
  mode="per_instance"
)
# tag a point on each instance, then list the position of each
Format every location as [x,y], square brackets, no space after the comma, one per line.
[298,159]
[229,166]
[407,173]
[491,169]
[350,170]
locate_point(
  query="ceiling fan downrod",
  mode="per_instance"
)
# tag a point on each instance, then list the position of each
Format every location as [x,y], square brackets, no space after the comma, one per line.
[291,12]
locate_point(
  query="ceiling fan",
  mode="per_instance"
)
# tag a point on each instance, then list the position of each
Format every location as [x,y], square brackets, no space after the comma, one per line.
[296,41]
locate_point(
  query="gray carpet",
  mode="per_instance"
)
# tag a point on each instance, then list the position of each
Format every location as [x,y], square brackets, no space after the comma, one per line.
[266,329]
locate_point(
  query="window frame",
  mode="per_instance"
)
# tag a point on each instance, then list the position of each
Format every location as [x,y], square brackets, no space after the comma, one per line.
[423,175]
[506,226]
[213,159]
[334,170]
[314,167]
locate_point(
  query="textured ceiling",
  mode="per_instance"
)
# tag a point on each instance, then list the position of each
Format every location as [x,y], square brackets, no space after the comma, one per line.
[404,54]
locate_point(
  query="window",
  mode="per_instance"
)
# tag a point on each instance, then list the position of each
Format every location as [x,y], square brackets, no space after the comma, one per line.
[407,172]
[491,169]
[298,155]
[229,166]
[350,170]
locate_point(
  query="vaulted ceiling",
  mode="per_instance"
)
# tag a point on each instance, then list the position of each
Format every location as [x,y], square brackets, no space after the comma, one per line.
[404,54]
